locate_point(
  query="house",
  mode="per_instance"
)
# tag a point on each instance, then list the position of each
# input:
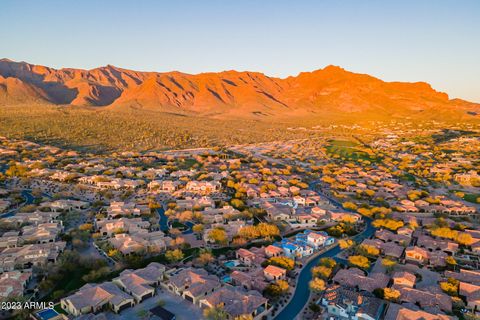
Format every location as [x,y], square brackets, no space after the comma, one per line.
[193,284]
[319,213]
[141,241]
[405,231]
[403,278]
[120,208]
[432,244]
[388,236]
[356,278]
[30,255]
[425,298]
[248,281]
[10,239]
[293,249]
[190,203]
[277,211]
[94,298]
[273,251]
[398,312]
[471,292]
[416,254]
[339,216]
[203,187]
[33,218]
[304,243]
[470,276]
[273,273]
[315,239]
[165,185]
[345,303]
[250,257]
[13,283]
[65,205]
[467,178]
[388,249]
[237,303]
[299,200]
[42,233]
[141,283]
[126,243]
[110,227]
[306,219]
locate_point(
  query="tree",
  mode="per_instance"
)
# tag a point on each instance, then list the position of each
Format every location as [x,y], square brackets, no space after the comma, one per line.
[218,236]
[174,255]
[314,307]
[244,317]
[450,287]
[365,212]
[85,227]
[262,230]
[464,239]
[215,313]
[451,261]
[237,203]
[391,294]
[346,243]
[327,262]
[282,262]
[321,272]
[317,285]
[204,258]
[198,228]
[349,206]
[368,250]
[278,288]
[390,224]
[114,253]
[389,264]
[359,261]
[457,303]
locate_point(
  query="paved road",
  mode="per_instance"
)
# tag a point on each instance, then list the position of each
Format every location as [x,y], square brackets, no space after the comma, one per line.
[29,198]
[302,290]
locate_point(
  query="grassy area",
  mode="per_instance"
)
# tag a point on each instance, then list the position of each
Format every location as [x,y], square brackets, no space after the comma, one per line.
[347,149]
[179,225]
[471,197]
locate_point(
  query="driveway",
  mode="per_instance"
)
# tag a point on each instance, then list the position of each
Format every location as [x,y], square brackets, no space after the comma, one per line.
[182,309]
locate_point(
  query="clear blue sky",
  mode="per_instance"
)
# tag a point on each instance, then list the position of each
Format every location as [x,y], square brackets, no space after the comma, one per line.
[434,41]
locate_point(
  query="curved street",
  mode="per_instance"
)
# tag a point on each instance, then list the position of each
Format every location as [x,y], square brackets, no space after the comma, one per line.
[302,290]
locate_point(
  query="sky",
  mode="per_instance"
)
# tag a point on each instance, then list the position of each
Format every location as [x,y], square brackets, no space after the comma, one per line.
[430,40]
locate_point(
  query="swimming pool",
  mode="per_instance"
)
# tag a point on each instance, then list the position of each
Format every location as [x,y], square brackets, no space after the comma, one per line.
[226,279]
[47,314]
[231,263]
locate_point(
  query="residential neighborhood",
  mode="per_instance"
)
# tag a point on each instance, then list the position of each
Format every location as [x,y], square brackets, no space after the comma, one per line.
[328,228]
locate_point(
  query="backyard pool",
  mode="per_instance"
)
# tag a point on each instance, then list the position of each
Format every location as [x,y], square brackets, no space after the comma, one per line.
[47,314]
[231,263]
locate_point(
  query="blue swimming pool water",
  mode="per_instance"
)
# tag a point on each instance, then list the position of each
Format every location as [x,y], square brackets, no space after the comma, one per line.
[230,264]
[47,314]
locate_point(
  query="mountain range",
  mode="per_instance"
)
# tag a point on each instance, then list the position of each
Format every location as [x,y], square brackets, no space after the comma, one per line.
[331,90]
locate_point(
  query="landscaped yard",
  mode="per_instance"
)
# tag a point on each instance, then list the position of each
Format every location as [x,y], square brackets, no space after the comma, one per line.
[347,149]
[472,197]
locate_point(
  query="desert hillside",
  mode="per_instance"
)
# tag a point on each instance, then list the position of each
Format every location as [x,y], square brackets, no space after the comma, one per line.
[331,90]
